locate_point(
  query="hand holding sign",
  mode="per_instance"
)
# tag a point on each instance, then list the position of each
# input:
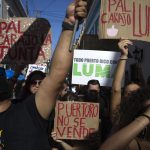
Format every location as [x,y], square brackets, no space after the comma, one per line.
[123,45]
[54,136]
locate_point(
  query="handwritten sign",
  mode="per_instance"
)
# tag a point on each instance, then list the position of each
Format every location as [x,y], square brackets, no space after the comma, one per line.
[24,40]
[76,120]
[125,18]
[92,64]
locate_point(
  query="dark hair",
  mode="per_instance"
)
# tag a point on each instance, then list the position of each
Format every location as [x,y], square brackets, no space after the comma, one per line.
[2,72]
[131,82]
[134,106]
[93,82]
[70,96]
[35,75]
[148,81]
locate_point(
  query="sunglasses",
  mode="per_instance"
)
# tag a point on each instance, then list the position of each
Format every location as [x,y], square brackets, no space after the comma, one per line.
[35,82]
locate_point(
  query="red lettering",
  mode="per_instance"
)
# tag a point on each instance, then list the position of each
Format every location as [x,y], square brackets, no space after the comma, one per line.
[111,3]
[60,120]
[48,39]
[69,132]
[11,26]
[103,18]
[119,5]
[142,29]
[125,7]
[61,133]
[13,38]
[41,53]
[2,52]
[77,133]
[19,27]
[76,122]
[60,107]
[82,122]
[3,26]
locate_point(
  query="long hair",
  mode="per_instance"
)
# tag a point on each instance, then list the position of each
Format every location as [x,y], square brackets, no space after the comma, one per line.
[134,106]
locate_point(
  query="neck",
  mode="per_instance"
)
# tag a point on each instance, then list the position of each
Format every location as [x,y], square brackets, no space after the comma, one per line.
[4,105]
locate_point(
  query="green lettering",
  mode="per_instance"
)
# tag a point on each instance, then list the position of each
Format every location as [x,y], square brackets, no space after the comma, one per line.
[75,70]
[88,71]
[102,72]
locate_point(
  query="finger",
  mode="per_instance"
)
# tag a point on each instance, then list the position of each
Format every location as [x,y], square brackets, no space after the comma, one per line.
[81,9]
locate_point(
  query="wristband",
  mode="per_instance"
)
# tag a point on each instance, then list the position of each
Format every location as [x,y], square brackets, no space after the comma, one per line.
[123,58]
[148,117]
[67,26]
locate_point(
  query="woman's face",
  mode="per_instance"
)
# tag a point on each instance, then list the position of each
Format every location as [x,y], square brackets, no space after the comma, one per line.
[34,86]
[131,88]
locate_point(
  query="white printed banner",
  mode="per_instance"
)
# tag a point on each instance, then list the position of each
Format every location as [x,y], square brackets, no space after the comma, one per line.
[92,64]
[34,67]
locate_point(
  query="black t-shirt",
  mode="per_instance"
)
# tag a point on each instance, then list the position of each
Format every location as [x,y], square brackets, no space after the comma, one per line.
[22,127]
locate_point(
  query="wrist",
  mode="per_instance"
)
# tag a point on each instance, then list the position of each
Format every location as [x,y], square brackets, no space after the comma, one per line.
[123,57]
[67,26]
[146,116]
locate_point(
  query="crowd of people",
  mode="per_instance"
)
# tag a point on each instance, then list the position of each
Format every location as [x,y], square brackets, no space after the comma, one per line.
[27,121]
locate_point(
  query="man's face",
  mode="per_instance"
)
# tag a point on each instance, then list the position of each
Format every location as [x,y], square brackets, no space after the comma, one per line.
[92,94]
[94,87]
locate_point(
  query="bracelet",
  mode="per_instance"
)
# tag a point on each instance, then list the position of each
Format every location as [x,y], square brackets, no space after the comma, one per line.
[123,58]
[148,117]
[67,26]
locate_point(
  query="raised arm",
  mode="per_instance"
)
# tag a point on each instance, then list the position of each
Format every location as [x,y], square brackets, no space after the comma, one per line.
[125,137]
[61,63]
[116,87]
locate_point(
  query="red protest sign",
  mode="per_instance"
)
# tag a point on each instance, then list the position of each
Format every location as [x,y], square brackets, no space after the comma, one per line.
[24,40]
[76,120]
[125,18]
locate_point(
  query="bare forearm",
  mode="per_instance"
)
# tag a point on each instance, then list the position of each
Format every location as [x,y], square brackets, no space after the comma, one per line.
[116,89]
[119,75]
[122,138]
[62,58]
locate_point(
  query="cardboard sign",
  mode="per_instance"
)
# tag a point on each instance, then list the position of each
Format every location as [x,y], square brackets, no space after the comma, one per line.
[92,64]
[24,41]
[125,18]
[76,120]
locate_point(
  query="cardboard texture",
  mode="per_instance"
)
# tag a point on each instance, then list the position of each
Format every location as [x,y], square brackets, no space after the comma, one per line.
[125,19]
[75,120]
[24,40]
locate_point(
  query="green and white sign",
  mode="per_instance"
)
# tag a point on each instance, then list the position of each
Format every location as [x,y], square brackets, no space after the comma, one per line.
[92,64]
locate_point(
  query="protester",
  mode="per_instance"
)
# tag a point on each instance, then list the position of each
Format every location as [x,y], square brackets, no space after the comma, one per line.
[93,94]
[117,99]
[134,103]
[90,142]
[63,91]
[24,125]
[134,121]
[31,85]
